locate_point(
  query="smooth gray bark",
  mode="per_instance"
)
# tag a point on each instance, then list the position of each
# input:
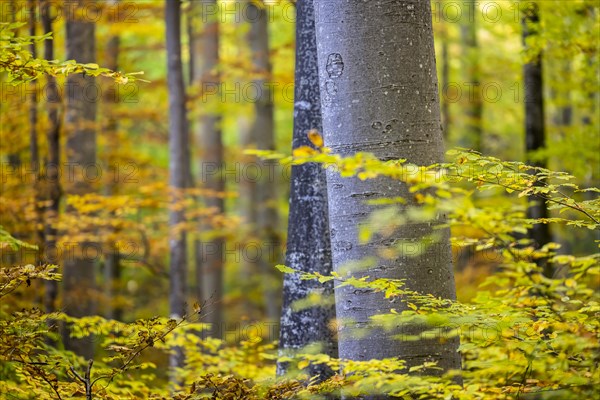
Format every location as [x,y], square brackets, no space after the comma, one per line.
[80,126]
[263,198]
[379,94]
[308,243]
[445,78]
[535,126]
[52,188]
[178,170]
[204,57]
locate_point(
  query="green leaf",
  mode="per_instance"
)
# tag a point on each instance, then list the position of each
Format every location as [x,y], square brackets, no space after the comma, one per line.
[285,269]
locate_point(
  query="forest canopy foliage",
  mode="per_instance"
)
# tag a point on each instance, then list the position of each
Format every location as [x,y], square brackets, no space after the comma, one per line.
[22,66]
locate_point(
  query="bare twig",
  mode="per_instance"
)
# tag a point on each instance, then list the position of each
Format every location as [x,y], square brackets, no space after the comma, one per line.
[85,379]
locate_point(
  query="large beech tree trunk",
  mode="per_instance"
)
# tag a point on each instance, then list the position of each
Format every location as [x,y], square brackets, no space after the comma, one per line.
[535,126]
[445,81]
[308,243]
[379,94]
[204,56]
[80,126]
[178,166]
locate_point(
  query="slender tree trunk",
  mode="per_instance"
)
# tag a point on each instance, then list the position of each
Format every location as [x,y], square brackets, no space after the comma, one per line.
[247,193]
[591,112]
[14,158]
[535,136]
[178,170]
[474,106]
[204,56]
[379,94]
[52,187]
[308,245]
[112,266]
[563,117]
[33,116]
[262,135]
[79,274]
[247,201]
[473,133]
[34,162]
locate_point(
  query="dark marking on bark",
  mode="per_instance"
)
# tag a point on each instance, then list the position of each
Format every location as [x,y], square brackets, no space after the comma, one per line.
[335,65]
[366,194]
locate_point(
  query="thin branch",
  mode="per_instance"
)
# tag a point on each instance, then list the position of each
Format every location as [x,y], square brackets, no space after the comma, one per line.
[132,357]
[85,379]
[575,207]
[41,373]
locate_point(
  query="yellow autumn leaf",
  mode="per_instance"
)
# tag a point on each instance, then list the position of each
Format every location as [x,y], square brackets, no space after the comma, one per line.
[304,151]
[315,138]
[197,308]
[570,283]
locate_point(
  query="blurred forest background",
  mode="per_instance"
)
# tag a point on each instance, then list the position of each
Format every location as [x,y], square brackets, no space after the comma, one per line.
[112,201]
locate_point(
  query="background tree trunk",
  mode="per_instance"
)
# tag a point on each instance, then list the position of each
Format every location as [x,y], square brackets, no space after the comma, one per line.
[34,152]
[112,263]
[204,56]
[262,136]
[308,243]
[14,158]
[178,170]
[535,136]
[379,94]
[52,187]
[248,202]
[248,206]
[474,106]
[80,121]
